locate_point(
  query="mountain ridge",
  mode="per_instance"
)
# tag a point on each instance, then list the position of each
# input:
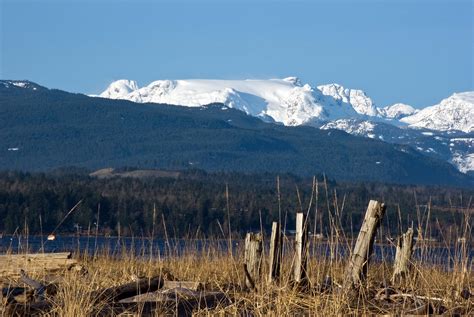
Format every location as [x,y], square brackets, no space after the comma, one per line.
[47,129]
[288,101]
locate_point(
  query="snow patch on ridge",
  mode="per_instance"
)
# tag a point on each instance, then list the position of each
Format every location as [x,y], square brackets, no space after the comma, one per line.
[453,113]
[463,162]
[361,128]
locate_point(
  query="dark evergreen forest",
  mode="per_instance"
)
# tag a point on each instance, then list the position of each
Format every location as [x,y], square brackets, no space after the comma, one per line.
[194,203]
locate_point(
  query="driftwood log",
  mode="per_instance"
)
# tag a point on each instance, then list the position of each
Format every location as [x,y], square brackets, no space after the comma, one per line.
[102,297]
[33,302]
[178,301]
[12,294]
[28,309]
[116,293]
[12,291]
[11,264]
[39,287]
[191,285]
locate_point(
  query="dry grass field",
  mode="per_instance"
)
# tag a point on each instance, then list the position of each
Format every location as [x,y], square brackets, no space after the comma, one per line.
[440,280]
[431,288]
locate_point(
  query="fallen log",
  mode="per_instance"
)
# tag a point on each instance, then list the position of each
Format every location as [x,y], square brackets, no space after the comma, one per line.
[36,285]
[9,293]
[116,293]
[11,264]
[192,285]
[28,309]
[167,303]
[12,291]
[108,295]
[36,291]
[178,301]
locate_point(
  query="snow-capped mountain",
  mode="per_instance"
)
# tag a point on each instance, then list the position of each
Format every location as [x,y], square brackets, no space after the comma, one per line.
[289,102]
[435,130]
[120,88]
[284,100]
[356,98]
[453,113]
[397,111]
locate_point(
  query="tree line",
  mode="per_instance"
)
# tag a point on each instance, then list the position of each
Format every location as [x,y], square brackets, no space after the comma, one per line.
[198,204]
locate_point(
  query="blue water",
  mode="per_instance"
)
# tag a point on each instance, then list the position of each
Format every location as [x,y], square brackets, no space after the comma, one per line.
[111,245]
[145,247]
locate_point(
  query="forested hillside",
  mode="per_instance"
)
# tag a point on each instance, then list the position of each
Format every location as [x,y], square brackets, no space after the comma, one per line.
[42,129]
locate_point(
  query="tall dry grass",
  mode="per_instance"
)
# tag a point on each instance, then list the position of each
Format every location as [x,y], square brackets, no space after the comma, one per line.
[217,269]
[440,271]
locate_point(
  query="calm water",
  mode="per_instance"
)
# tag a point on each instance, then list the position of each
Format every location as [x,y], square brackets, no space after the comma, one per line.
[161,248]
[111,245]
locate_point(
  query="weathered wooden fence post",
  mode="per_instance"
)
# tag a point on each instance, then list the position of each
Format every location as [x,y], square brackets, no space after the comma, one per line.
[300,276]
[402,256]
[274,263]
[357,266]
[253,259]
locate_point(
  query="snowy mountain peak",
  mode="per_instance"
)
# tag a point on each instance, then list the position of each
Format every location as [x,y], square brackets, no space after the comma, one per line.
[284,100]
[361,103]
[397,111]
[464,97]
[291,102]
[294,80]
[453,113]
[119,88]
[332,106]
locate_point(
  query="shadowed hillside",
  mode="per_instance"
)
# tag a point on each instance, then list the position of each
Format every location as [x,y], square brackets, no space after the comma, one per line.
[42,129]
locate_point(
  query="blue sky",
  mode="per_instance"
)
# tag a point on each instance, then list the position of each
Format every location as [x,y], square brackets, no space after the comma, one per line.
[416,52]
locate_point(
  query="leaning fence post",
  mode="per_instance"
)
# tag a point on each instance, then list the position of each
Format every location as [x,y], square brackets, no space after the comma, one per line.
[274,261]
[300,276]
[355,270]
[402,256]
[253,257]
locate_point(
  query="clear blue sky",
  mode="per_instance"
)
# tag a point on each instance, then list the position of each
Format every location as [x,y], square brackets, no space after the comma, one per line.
[416,52]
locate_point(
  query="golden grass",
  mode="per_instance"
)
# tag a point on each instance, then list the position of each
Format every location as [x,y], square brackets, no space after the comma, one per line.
[219,270]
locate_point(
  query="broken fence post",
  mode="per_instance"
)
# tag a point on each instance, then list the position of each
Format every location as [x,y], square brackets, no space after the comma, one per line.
[274,263]
[358,263]
[253,258]
[300,276]
[402,257]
